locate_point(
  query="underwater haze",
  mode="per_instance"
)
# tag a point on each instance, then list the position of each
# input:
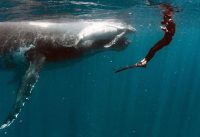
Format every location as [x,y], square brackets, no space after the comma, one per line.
[87,99]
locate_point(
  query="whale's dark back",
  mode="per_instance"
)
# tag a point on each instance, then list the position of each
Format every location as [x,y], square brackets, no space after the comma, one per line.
[15,35]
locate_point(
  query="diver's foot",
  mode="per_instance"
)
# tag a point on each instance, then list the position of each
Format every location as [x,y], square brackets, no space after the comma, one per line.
[139,64]
[142,63]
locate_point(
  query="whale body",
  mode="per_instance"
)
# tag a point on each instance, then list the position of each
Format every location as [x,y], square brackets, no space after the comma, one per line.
[37,42]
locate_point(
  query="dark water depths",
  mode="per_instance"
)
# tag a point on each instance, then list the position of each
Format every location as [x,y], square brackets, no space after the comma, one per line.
[87,99]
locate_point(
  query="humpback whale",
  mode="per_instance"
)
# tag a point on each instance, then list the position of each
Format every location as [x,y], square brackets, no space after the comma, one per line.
[37,42]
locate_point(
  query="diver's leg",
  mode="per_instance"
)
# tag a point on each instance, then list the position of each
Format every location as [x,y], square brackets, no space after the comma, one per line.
[162,43]
[153,50]
[145,60]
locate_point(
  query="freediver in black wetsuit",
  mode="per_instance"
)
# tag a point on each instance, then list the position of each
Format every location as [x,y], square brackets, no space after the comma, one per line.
[168,26]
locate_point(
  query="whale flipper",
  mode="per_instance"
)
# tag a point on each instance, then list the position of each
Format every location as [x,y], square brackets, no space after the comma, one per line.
[115,40]
[28,82]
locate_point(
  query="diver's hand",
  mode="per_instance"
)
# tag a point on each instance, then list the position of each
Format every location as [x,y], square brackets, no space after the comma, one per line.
[163,28]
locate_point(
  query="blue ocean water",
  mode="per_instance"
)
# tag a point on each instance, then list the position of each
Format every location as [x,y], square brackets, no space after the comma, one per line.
[87,99]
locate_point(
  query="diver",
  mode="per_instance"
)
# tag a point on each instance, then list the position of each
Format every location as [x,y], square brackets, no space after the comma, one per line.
[168,26]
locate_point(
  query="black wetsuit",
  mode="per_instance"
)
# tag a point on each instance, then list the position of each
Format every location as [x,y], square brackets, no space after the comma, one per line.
[169,33]
[169,28]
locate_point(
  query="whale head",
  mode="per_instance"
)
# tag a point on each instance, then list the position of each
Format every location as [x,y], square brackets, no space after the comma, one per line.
[105,34]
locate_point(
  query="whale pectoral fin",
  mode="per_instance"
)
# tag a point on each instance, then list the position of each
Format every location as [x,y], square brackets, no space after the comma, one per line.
[114,40]
[28,82]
